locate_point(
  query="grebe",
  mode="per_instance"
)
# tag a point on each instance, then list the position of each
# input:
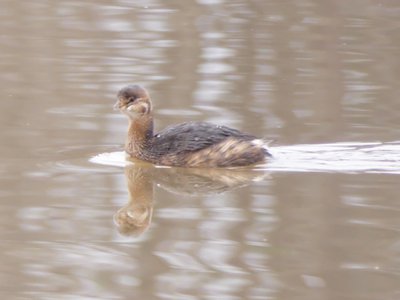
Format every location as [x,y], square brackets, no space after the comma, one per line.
[192,144]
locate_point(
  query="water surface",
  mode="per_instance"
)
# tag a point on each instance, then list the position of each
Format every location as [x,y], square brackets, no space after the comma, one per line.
[320,79]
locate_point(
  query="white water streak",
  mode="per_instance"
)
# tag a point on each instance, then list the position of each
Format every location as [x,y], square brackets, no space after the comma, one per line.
[338,157]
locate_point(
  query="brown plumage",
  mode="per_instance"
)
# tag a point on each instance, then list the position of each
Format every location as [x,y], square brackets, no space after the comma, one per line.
[192,144]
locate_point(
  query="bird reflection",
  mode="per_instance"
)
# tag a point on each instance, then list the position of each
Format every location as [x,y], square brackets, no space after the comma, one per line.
[135,217]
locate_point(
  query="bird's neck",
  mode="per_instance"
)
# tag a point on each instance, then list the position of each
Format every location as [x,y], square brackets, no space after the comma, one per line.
[140,133]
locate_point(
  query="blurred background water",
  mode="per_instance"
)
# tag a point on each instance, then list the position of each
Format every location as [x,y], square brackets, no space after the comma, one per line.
[296,72]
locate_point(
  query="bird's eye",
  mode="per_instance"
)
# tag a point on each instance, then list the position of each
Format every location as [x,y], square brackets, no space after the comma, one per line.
[131,99]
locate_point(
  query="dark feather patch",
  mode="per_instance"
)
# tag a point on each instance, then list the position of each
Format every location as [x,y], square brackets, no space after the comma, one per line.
[193,136]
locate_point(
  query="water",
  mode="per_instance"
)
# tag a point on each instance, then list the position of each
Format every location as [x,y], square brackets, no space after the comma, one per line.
[319,221]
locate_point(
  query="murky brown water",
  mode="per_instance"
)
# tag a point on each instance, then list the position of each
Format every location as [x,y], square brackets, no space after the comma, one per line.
[299,72]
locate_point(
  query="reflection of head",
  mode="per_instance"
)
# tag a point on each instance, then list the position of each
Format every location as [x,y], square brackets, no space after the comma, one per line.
[133,219]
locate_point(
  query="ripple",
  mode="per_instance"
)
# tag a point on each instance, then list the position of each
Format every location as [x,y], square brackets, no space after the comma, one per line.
[111,159]
[352,157]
